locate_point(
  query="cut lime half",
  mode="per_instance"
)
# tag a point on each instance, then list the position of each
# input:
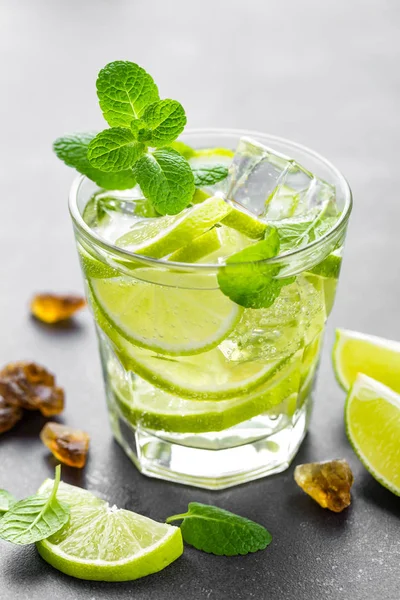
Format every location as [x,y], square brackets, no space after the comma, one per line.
[355,352]
[372,416]
[164,318]
[103,543]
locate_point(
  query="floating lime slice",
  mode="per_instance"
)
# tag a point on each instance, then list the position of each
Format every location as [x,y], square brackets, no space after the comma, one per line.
[372,416]
[245,222]
[159,237]
[205,244]
[159,410]
[355,352]
[149,311]
[92,267]
[103,543]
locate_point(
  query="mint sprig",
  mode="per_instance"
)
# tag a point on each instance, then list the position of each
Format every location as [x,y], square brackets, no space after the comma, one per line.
[165,120]
[35,518]
[209,175]
[124,90]
[6,501]
[218,531]
[72,149]
[115,149]
[253,284]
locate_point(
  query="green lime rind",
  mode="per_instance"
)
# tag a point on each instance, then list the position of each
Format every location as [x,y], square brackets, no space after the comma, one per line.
[170,413]
[94,268]
[372,420]
[102,543]
[329,267]
[202,246]
[209,316]
[354,352]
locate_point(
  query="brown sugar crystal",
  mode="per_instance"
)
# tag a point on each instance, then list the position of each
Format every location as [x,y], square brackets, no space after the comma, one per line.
[10,414]
[68,445]
[328,483]
[53,308]
[30,386]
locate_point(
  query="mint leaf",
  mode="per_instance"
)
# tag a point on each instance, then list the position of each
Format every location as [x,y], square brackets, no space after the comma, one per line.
[124,90]
[166,120]
[35,518]
[72,150]
[140,130]
[208,175]
[221,532]
[6,501]
[166,179]
[253,283]
[114,149]
[295,233]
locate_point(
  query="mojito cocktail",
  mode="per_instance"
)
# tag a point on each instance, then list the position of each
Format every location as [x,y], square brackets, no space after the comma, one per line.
[210,265]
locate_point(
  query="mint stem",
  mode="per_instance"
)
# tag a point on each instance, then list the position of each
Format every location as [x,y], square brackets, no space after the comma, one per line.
[177,517]
[57,478]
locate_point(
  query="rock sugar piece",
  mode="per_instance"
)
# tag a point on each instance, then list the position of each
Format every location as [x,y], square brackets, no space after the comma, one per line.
[53,308]
[68,445]
[10,414]
[30,386]
[328,483]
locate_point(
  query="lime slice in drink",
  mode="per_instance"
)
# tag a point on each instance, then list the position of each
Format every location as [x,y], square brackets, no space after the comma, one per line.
[92,267]
[245,222]
[205,244]
[163,317]
[159,410]
[103,543]
[372,417]
[376,357]
[159,237]
[204,376]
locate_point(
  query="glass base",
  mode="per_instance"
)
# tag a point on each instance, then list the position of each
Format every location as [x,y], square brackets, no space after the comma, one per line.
[172,457]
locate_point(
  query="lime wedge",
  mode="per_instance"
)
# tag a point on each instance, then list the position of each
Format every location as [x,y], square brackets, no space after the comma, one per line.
[159,237]
[103,543]
[205,244]
[155,409]
[372,416]
[245,222]
[92,267]
[376,357]
[163,317]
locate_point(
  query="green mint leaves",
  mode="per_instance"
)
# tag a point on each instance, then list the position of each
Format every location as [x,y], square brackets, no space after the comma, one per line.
[208,175]
[166,179]
[124,90]
[114,150]
[165,120]
[6,501]
[35,518]
[253,284]
[218,531]
[73,149]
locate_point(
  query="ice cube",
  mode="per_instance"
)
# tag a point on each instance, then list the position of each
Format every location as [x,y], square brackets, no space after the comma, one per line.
[275,187]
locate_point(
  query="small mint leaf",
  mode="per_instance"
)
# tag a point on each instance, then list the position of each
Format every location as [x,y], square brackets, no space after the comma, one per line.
[166,179]
[114,149]
[124,90]
[218,531]
[72,150]
[208,175]
[295,233]
[35,518]
[253,283]
[166,119]
[6,501]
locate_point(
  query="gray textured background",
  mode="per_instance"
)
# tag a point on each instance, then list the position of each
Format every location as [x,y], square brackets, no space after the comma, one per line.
[322,73]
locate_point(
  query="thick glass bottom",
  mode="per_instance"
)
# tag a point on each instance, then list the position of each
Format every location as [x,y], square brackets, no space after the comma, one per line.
[256,448]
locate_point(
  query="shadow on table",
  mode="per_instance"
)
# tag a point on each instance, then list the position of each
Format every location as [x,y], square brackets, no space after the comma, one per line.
[375,493]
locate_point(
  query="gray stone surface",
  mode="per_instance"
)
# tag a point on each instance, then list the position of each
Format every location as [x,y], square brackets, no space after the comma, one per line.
[322,73]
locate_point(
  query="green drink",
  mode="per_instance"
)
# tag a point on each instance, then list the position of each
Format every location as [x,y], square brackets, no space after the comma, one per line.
[210,317]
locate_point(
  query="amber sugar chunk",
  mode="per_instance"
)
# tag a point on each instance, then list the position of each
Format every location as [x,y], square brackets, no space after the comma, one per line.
[30,386]
[68,445]
[10,414]
[328,483]
[53,308]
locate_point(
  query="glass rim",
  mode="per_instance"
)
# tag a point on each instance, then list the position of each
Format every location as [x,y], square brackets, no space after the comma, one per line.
[97,240]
